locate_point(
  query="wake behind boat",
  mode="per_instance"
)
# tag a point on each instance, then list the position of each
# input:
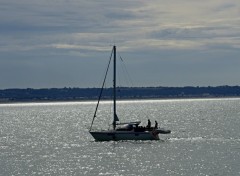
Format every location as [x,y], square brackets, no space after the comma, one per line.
[128,130]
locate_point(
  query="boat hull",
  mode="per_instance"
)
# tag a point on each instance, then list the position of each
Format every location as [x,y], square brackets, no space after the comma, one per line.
[163,131]
[124,135]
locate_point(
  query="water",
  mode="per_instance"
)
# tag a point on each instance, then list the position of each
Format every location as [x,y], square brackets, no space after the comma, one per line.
[53,139]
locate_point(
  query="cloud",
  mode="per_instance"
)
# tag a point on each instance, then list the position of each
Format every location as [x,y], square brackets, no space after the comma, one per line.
[76,23]
[148,31]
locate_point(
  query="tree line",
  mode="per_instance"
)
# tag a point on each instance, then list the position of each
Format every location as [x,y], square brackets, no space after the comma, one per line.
[59,94]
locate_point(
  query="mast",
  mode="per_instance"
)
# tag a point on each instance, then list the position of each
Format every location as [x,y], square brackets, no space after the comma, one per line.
[115,118]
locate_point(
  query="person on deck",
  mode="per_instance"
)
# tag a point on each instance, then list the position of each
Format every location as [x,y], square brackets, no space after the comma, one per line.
[156,124]
[149,124]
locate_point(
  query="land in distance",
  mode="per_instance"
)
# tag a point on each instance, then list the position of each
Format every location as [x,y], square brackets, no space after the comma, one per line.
[75,94]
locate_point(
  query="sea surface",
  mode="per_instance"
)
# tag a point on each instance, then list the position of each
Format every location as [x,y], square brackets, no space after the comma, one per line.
[53,139]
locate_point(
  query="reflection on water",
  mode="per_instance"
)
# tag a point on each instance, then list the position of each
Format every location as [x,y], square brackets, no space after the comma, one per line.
[53,139]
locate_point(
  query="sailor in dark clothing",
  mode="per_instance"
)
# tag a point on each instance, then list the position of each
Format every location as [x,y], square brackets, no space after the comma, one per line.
[149,124]
[156,124]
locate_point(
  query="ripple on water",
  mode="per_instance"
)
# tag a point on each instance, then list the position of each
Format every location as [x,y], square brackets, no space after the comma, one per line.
[53,139]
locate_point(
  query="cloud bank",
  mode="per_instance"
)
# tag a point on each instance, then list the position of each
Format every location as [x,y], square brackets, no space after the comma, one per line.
[41,35]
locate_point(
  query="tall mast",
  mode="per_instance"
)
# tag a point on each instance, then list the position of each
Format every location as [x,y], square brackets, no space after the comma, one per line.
[114,88]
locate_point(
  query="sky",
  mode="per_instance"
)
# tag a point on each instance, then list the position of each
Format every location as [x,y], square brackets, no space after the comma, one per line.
[67,43]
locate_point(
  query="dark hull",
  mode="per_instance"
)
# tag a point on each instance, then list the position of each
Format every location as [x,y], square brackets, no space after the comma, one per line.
[124,135]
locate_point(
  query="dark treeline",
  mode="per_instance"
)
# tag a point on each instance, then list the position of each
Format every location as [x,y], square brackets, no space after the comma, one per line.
[61,94]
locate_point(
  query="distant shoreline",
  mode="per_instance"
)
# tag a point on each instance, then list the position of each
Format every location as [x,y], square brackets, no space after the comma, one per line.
[123,93]
[66,101]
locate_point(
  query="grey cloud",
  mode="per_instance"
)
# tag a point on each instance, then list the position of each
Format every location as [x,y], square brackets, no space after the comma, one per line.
[225,6]
[61,41]
[120,15]
[192,32]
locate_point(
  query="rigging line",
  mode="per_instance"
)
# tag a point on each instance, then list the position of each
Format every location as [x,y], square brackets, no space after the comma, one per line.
[120,79]
[125,78]
[99,98]
[126,70]
[130,80]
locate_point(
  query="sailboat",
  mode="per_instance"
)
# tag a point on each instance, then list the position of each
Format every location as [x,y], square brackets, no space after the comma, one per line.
[126,130]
